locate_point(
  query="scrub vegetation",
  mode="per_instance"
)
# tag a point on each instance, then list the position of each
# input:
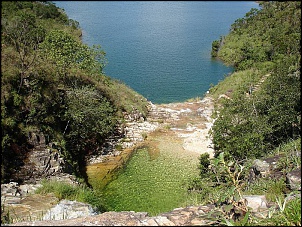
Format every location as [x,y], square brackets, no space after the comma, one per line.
[259,115]
[53,83]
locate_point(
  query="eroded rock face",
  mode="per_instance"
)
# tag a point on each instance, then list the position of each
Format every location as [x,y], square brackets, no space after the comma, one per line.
[207,215]
[19,203]
[43,160]
[188,216]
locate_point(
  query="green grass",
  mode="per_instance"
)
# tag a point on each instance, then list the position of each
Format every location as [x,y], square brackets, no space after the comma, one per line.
[68,191]
[271,188]
[151,185]
[290,160]
[236,82]
[289,216]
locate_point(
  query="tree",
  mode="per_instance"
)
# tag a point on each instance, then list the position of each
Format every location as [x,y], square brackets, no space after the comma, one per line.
[89,118]
[65,52]
[23,33]
[268,39]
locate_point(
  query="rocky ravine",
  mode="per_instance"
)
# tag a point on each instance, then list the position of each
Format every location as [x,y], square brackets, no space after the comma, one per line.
[188,121]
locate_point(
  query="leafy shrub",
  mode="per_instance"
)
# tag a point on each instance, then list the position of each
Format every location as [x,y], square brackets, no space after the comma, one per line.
[204,163]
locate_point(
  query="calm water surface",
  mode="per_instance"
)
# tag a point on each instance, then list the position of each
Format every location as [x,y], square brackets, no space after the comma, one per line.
[161,49]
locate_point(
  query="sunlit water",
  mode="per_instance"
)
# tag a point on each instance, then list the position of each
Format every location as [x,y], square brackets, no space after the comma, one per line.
[161,49]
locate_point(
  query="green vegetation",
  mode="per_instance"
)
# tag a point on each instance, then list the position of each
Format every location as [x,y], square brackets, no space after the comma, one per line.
[149,184]
[53,83]
[259,116]
[79,193]
[264,47]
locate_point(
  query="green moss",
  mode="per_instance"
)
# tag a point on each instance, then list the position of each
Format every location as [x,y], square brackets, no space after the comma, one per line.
[151,185]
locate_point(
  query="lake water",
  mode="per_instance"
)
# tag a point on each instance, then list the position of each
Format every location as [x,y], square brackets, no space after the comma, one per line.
[161,49]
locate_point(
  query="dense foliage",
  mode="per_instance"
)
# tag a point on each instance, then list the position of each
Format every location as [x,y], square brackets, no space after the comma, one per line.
[264,111]
[258,116]
[52,83]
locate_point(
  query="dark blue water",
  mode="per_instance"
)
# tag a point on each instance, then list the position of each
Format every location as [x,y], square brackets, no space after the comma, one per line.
[161,49]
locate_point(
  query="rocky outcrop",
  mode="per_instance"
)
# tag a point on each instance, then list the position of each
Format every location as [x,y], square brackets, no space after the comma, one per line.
[207,215]
[269,168]
[67,209]
[43,161]
[135,127]
[293,179]
[175,116]
[130,132]
[188,216]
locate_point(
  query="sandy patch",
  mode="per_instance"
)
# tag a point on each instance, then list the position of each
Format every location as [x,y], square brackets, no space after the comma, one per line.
[191,121]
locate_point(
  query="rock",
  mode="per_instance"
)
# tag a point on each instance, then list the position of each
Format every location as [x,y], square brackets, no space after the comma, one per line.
[256,202]
[11,200]
[293,179]
[43,162]
[163,221]
[67,209]
[36,138]
[261,168]
[266,168]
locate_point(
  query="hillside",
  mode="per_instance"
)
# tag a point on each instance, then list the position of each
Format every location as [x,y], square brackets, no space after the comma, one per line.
[55,97]
[52,85]
[264,42]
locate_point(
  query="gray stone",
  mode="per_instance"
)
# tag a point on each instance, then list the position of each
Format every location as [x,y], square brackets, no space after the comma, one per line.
[163,221]
[293,179]
[256,202]
[261,168]
[67,209]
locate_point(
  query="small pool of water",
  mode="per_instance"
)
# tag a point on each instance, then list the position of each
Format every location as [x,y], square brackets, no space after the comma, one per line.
[154,180]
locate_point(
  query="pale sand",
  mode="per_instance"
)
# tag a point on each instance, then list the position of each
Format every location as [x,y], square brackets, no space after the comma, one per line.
[192,122]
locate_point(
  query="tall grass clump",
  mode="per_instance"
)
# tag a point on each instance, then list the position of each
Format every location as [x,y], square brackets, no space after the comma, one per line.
[271,188]
[291,153]
[80,193]
[236,82]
